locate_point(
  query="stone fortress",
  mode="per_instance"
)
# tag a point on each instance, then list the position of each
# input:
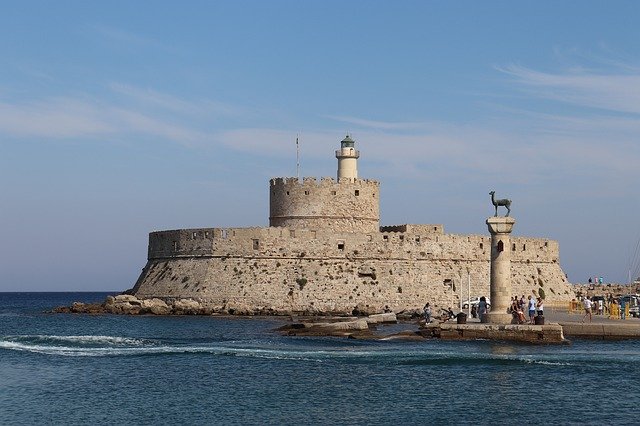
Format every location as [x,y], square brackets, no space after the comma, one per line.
[325,252]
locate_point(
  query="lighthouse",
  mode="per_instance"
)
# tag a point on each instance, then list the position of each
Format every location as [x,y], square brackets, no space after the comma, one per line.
[347,157]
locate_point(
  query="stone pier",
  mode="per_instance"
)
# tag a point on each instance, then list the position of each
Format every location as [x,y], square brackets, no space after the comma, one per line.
[500,278]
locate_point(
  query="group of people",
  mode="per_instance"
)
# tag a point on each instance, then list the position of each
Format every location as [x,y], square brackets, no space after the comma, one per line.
[532,305]
[597,305]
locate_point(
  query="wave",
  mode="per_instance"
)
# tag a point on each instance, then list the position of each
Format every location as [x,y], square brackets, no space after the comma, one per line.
[115,346]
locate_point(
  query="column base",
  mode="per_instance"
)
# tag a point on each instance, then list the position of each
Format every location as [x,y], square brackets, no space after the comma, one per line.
[499,318]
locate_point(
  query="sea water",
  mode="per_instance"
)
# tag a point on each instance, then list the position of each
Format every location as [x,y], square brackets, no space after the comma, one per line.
[108,369]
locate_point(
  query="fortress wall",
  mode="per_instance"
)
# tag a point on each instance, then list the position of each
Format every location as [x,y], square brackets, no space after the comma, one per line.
[337,284]
[350,205]
[283,242]
[305,270]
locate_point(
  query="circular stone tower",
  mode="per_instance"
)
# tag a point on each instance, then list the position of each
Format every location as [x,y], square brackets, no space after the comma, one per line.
[346,205]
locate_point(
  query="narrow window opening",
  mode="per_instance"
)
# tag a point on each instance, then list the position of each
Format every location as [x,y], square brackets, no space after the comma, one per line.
[546,243]
[306,192]
[481,246]
[206,234]
[292,233]
[418,239]
[256,244]
[524,247]
[195,234]
[175,245]
[287,192]
[513,247]
[357,192]
[333,192]
[401,237]
[340,245]
[313,234]
[385,237]
[500,246]
[224,233]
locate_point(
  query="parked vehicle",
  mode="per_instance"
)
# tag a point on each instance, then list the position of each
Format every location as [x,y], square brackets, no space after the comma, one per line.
[633,302]
[474,302]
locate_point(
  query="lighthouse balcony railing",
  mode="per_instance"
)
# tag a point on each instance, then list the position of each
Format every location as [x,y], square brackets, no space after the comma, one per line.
[347,153]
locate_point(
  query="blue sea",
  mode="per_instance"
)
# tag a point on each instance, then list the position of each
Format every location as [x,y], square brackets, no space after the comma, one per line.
[106,369]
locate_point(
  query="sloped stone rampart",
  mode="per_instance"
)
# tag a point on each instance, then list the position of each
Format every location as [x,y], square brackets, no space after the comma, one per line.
[285,269]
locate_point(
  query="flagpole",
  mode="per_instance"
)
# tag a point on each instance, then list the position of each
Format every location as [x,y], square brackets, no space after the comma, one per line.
[297,158]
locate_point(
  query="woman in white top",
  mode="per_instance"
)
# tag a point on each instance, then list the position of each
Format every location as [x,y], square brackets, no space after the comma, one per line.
[587,308]
[540,307]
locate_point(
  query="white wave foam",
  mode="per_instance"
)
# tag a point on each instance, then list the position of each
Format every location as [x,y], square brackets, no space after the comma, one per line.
[93,340]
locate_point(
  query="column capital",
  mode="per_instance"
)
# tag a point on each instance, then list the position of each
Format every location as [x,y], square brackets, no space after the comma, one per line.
[500,224]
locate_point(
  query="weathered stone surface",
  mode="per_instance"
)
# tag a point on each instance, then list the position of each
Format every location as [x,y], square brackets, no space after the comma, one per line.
[601,331]
[551,333]
[359,324]
[410,271]
[126,298]
[186,307]
[155,306]
[381,318]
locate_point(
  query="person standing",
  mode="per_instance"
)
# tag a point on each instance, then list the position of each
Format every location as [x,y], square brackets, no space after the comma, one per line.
[482,309]
[427,313]
[532,310]
[623,306]
[540,307]
[587,308]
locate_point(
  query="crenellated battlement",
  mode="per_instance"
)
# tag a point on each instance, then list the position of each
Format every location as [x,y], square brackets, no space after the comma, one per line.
[320,182]
[419,242]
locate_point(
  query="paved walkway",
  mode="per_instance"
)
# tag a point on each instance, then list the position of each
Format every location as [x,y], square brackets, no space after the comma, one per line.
[561,315]
[600,327]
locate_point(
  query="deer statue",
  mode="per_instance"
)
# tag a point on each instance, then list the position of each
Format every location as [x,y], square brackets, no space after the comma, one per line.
[504,202]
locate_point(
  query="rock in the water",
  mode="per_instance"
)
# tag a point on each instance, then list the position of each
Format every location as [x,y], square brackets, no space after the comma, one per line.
[388,318]
[155,306]
[186,307]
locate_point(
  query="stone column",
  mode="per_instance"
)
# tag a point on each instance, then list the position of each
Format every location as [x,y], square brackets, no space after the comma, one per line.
[500,281]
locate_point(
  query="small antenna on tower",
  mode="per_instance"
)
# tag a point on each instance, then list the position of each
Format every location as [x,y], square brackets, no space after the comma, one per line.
[297,158]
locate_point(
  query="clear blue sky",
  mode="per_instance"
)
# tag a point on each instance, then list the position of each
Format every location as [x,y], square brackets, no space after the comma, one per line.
[119,118]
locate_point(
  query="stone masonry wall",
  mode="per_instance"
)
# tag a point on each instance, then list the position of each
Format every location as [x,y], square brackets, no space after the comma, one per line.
[288,269]
[347,205]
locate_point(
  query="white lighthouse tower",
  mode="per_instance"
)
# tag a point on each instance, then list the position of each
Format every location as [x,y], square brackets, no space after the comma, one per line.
[347,157]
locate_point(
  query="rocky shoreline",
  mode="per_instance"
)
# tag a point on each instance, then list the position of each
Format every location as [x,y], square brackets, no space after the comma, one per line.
[127,304]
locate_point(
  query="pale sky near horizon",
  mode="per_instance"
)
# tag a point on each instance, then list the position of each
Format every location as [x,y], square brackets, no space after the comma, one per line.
[122,117]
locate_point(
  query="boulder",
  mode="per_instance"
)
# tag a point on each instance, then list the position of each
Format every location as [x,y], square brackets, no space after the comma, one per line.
[155,306]
[186,307]
[127,298]
[387,318]
[359,324]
